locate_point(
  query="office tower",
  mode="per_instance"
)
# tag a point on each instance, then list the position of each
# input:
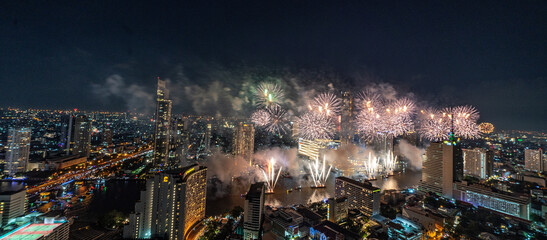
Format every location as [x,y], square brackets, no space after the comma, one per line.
[337,209]
[207,140]
[346,128]
[12,205]
[76,134]
[18,151]
[360,195]
[442,166]
[162,120]
[478,162]
[254,212]
[107,137]
[179,139]
[244,142]
[533,160]
[309,148]
[171,206]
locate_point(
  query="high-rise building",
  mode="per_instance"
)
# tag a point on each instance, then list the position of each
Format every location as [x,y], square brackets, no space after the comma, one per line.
[244,142]
[179,139]
[12,205]
[346,128]
[107,137]
[478,162]
[533,160]
[76,134]
[360,195]
[171,206]
[162,120]
[442,166]
[254,212]
[337,209]
[18,151]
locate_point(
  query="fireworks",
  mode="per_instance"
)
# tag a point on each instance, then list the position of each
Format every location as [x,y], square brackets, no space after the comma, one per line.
[269,94]
[319,173]
[271,176]
[326,103]
[380,116]
[389,162]
[313,125]
[436,125]
[486,127]
[273,119]
[261,118]
[277,122]
[372,166]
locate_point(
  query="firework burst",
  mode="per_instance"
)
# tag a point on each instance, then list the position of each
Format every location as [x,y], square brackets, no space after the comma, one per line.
[278,121]
[261,118]
[319,172]
[486,127]
[269,94]
[326,103]
[271,176]
[437,125]
[379,116]
[314,125]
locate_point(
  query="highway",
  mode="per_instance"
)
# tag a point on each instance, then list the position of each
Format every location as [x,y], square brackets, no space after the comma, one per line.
[83,173]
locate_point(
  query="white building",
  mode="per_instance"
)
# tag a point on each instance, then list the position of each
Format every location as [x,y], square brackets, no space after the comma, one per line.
[18,151]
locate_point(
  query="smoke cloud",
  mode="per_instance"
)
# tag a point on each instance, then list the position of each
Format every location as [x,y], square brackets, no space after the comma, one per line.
[412,153]
[136,97]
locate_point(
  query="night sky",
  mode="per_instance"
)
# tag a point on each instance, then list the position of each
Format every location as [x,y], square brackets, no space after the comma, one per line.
[105,55]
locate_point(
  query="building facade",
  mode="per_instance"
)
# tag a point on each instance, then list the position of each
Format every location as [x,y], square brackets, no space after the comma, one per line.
[361,196]
[478,162]
[171,206]
[12,205]
[244,142]
[162,121]
[254,212]
[18,151]
[483,196]
[442,166]
[533,160]
[77,135]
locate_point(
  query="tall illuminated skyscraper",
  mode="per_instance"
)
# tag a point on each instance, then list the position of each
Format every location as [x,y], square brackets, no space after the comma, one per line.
[478,162]
[346,128]
[18,151]
[442,166]
[76,134]
[254,212]
[533,160]
[244,141]
[171,206]
[162,120]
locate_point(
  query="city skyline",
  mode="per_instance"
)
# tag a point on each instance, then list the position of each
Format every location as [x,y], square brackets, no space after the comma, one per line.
[490,58]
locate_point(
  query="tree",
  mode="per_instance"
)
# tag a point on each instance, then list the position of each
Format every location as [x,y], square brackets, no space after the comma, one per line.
[112,219]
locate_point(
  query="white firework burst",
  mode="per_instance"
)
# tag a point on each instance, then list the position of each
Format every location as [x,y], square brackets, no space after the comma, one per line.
[313,125]
[269,94]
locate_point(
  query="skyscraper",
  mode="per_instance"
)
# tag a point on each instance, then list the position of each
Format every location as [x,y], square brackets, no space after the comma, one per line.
[178,139]
[478,162]
[171,206]
[244,141]
[346,128]
[254,212]
[162,120]
[18,151]
[361,196]
[76,133]
[443,164]
[533,160]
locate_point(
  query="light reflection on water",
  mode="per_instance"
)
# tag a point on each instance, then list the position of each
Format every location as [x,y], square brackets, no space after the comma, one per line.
[281,197]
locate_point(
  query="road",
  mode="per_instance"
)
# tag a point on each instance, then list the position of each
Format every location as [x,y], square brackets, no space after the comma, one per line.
[81,174]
